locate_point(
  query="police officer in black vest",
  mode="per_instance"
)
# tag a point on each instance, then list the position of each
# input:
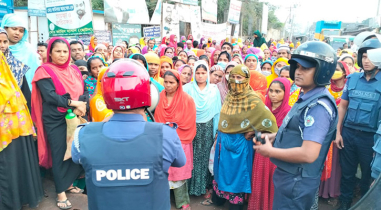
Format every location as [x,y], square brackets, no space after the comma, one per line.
[302,142]
[126,159]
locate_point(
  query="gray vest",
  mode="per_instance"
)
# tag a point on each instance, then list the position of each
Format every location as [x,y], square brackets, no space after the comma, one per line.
[124,174]
[290,135]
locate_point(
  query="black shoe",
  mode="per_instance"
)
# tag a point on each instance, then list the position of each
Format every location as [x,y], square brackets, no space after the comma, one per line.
[344,206]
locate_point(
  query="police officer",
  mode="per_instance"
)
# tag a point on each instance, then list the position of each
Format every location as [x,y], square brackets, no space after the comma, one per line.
[302,142]
[126,159]
[359,112]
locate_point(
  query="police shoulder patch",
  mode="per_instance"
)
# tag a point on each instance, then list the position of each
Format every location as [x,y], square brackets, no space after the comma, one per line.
[309,121]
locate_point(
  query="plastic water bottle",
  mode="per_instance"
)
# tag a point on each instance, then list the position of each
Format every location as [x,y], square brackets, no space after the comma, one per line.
[70,114]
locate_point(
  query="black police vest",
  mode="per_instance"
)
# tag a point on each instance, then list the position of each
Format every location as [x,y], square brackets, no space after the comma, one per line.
[124,174]
[289,135]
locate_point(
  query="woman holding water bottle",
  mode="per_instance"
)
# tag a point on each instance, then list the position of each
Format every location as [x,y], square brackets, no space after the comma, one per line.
[55,90]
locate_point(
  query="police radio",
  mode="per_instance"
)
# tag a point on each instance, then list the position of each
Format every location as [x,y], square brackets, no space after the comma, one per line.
[258,135]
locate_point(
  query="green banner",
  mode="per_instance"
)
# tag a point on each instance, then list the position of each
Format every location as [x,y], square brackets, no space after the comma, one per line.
[58,31]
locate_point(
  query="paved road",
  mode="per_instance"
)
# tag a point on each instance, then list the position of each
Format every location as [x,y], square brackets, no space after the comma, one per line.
[79,202]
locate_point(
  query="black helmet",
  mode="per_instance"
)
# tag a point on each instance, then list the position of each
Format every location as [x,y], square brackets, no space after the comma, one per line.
[368,44]
[320,55]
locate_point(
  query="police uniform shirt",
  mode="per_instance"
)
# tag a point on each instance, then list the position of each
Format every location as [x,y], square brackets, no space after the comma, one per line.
[124,127]
[316,122]
[345,95]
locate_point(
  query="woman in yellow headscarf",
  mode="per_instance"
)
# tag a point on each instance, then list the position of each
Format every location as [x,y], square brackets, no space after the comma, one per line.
[153,61]
[142,43]
[275,69]
[239,42]
[133,50]
[297,45]
[98,109]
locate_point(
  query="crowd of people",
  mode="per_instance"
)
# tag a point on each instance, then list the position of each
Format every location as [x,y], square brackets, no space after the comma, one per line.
[219,94]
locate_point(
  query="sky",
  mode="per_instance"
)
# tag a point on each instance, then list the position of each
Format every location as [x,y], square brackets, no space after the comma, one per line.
[333,10]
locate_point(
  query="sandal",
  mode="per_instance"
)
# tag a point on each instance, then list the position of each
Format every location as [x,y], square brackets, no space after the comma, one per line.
[186,207]
[207,202]
[208,194]
[70,190]
[64,202]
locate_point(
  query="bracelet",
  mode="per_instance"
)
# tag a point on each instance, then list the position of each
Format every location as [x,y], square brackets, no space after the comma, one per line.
[69,102]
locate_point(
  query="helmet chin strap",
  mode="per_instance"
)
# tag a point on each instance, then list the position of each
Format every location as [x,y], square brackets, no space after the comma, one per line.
[372,72]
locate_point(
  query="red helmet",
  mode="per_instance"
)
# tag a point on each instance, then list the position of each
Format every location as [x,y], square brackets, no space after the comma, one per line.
[126,85]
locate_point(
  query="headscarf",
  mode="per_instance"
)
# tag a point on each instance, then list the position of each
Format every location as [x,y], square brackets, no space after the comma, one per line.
[163,41]
[181,68]
[112,54]
[258,83]
[200,52]
[236,47]
[256,51]
[172,43]
[23,51]
[141,42]
[166,59]
[153,58]
[243,107]
[256,57]
[190,52]
[99,45]
[91,81]
[189,38]
[66,80]
[239,57]
[157,84]
[259,41]
[212,58]
[217,67]
[98,108]
[208,102]
[17,67]
[201,43]
[273,75]
[239,42]
[209,44]
[134,50]
[145,50]
[223,85]
[182,111]
[14,114]
[183,39]
[333,82]
[244,54]
[92,44]
[280,112]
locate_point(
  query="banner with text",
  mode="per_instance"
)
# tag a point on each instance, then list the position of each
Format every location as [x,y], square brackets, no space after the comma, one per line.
[152,32]
[170,21]
[156,16]
[191,2]
[120,11]
[126,32]
[103,36]
[67,17]
[234,11]
[216,31]
[196,23]
[36,8]
[209,10]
